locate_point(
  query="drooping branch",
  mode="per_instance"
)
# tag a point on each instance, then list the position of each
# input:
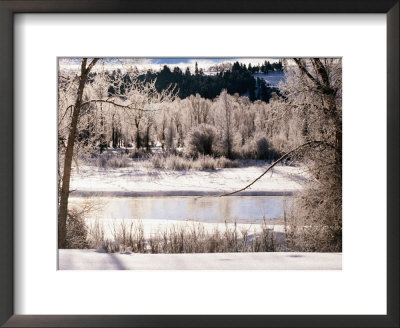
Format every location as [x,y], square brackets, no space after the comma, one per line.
[307,144]
[129,106]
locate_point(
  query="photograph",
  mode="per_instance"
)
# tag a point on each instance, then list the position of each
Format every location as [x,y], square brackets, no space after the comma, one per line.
[199,163]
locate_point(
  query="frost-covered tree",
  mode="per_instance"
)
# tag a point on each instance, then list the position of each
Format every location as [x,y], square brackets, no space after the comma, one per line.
[95,108]
[199,110]
[314,92]
[310,119]
[142,102]
[223,118]
[69,150]
[177,115]
[314,98]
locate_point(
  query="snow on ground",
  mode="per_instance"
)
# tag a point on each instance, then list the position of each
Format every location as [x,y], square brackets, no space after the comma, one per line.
[73,259]
[141,179]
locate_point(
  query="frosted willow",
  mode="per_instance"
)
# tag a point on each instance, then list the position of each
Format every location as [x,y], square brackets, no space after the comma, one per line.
[90,102]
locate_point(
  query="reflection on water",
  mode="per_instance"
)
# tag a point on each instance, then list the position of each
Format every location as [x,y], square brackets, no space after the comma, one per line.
[206,209]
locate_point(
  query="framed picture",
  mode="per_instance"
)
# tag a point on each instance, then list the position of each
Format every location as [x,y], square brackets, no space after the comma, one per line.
[190,164]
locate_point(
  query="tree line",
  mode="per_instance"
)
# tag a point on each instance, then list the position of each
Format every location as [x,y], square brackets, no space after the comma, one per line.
[236,78]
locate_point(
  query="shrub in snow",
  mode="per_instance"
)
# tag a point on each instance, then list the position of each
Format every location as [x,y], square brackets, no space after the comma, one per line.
[111,160]
[177,163]
[96,235]
[223,162]
[314,223]
[77,231]
[206,163]
[262,147]
[128,236]
[139,153]
[171,162]
[158,161]
[258,147]
[200,140]
[195,238]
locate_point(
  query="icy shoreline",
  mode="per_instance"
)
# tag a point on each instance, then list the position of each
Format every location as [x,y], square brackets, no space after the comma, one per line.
[142,180]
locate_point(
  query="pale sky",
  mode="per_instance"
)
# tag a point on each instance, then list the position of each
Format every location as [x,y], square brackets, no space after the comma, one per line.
[156,64]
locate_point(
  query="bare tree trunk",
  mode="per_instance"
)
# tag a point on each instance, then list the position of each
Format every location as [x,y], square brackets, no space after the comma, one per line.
[148,137]
[138,141]
[228,127]
[64,193]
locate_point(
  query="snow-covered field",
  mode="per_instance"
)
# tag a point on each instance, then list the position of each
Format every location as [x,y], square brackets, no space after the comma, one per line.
[73,259]
[141,179]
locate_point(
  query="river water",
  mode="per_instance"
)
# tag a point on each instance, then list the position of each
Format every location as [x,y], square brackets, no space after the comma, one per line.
[244,209]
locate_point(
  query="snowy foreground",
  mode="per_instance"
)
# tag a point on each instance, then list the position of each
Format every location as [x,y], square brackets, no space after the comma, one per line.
[141,179]
[73,259]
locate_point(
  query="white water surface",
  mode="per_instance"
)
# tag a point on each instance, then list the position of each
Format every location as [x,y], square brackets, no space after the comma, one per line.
[243,209]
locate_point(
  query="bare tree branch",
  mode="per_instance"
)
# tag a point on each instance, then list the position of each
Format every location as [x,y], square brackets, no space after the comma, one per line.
[94,61]
[129,106]
[325,89]
[65,113]
[309,143]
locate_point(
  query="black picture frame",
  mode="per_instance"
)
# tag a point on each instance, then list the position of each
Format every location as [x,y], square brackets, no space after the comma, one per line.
[7,10]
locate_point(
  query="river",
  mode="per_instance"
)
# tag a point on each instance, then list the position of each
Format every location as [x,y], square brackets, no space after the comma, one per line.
[243,209]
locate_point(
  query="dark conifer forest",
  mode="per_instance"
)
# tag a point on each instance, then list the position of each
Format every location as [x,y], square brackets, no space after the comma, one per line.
[237,78]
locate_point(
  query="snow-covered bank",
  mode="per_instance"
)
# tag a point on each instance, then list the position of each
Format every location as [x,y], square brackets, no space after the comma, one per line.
[72,259]
[140,179]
